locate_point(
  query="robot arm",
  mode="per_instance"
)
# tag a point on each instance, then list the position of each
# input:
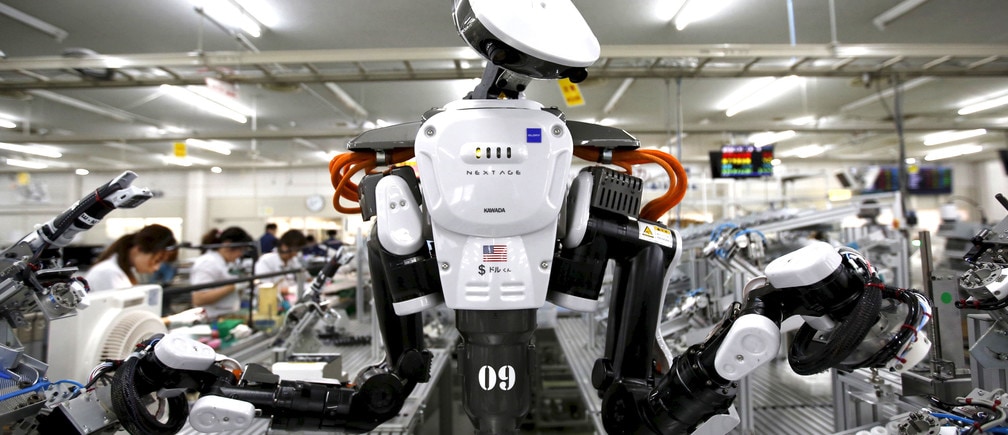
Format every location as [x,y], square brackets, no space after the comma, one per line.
[88,211]
[840,302]
[34,280]
[400,283]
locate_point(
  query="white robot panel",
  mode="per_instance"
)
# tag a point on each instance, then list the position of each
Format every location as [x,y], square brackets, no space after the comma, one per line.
[494,177]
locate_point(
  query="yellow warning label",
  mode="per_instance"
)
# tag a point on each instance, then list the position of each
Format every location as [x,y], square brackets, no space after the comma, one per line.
[571,92]
[657,234]
[180,149]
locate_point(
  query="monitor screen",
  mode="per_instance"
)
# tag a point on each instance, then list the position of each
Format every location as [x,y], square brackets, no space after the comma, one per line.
[922,180]
[742,161]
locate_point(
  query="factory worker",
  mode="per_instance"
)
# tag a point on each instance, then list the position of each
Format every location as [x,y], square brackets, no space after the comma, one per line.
[215,265]
[131,254]
[284,257]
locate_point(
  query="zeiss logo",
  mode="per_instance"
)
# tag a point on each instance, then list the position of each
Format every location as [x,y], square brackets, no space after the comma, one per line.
[533,135]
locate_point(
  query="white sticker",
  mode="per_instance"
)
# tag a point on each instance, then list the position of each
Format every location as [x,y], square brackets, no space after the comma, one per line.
[656,234]
[88,219]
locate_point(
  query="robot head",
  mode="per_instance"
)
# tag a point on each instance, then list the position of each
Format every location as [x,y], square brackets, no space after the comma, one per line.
[541,39]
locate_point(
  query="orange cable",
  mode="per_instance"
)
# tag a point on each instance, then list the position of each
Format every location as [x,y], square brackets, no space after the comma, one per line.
[655,208]
[344,166]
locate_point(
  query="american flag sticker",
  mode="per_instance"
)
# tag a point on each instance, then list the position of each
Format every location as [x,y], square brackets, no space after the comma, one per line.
[494,253]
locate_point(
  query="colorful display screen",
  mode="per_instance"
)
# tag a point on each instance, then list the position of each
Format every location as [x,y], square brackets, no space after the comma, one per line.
[742,161]
[921,180]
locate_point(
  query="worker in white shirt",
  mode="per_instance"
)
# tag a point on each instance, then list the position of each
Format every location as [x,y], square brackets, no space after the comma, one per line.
[284,257]
[132,254]
[215,265]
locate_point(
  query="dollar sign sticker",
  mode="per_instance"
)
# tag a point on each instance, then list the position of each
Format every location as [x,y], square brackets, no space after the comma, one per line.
[482,270]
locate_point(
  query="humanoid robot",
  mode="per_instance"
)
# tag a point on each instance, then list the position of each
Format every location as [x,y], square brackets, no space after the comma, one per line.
[492,229]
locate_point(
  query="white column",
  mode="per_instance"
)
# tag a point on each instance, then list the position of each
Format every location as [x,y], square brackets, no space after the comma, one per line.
[194,222]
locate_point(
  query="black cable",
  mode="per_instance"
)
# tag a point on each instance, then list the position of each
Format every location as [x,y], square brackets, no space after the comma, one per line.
[908,331]
[806,356]
[982,305]
[131,411]
[944,406]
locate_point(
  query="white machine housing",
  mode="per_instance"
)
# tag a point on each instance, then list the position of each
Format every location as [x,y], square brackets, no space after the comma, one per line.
[494,179]
[108,328]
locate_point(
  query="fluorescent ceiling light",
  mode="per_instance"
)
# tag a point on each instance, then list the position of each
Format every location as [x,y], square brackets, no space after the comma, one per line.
[26,164]
[984,105]
[698,10]
[7,124]
[616,96]
[871,99]
[203,103]
[165,129]
[328,155]
[232,14]
[952,136]
[219,98]
[35,23]
[770,137]
[804,120]
[347,100]
[176,160]
[764,95]
[37,150]
[211,145]
[666,10]
[82,171]
[895,12]
[111,112]
[216,169]
[804,152]
[953,151]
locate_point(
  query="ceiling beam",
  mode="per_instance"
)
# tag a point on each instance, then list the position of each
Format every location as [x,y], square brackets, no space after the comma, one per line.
[912,60]
[347,133]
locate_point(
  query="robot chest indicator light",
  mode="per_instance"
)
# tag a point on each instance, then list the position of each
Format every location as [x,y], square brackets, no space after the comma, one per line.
[493,152]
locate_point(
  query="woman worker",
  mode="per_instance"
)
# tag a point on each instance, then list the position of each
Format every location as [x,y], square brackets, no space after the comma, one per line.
[215,265]
[284,257]
[139,252]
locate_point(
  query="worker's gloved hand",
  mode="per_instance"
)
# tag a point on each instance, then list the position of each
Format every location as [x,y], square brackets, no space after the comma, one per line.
[188,317]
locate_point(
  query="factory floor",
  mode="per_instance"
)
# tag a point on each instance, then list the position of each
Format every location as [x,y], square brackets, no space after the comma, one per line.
[784,403]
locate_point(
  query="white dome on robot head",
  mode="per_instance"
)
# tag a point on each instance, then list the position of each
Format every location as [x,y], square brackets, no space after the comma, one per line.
[542,39]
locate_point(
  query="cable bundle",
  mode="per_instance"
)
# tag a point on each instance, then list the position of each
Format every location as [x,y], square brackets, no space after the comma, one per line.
[343,167]
[981,422]
[625,159]
[918,314]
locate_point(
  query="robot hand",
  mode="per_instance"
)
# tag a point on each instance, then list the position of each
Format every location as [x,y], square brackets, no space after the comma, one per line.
[88,211]
[188,317]
[838,296]
[163,368]
[342,258]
